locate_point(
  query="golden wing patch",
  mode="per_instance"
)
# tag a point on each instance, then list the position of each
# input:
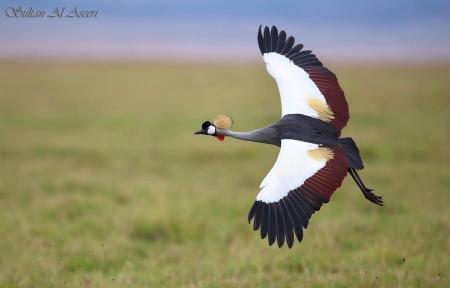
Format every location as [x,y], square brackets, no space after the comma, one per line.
[324,111]
[223,121]
[321,153]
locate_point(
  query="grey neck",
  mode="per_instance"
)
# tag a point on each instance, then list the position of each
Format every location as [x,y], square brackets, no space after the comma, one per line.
[267,135]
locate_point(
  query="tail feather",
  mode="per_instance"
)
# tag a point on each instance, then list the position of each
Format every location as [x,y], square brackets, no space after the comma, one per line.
[352,152]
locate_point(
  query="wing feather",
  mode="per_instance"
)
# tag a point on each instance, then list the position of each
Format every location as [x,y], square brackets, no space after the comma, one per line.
[281,41]
[289,43]
[300,76]
[274,35]
[267,40]
[294,189]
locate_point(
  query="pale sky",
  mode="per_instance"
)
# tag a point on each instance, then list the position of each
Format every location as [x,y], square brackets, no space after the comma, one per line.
[202,30]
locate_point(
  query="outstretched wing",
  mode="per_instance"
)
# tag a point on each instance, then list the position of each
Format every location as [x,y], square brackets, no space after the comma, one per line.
[304,177]
[306,86]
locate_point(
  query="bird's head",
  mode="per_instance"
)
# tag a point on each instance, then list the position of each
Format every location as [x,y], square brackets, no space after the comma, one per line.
[208,128]
[215,128]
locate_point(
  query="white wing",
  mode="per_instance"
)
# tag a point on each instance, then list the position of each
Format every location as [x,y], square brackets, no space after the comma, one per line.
[295,86]
[306,86]
[292,168]
[296,187]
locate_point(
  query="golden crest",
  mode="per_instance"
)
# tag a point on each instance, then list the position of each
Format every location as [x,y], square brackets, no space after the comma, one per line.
[223,121]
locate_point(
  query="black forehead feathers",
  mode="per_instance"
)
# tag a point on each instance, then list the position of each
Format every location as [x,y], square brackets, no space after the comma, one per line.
[206,124]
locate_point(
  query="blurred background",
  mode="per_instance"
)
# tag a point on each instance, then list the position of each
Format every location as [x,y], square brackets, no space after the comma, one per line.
[102,183]
[223,31]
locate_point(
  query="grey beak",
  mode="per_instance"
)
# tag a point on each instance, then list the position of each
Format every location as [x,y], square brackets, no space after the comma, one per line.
[198,132]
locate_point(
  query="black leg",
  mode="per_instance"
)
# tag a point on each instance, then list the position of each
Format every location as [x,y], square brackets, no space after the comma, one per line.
[367,192]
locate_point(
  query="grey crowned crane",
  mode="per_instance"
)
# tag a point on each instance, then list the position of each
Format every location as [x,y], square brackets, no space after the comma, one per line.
[313,159]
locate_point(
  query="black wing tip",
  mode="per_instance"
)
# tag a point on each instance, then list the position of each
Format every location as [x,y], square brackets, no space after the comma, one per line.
[268,37]
[252,212]
[260,38]
[268,217]
[268,27]
[270,40]
[273,226]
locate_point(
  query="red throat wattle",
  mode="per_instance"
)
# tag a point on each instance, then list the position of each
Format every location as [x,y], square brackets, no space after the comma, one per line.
[220,138]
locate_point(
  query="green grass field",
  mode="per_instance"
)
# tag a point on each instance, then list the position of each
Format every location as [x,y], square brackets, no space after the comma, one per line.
[103,184]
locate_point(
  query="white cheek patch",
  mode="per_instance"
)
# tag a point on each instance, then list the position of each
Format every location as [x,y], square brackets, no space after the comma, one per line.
[211,130]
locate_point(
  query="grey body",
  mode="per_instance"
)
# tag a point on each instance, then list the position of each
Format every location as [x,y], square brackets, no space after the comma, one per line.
[292,126]
[303,128]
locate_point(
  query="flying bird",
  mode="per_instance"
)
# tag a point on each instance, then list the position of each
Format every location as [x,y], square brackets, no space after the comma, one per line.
[313,159]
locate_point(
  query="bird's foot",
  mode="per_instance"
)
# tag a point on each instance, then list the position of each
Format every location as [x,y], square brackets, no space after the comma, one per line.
[372,197]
